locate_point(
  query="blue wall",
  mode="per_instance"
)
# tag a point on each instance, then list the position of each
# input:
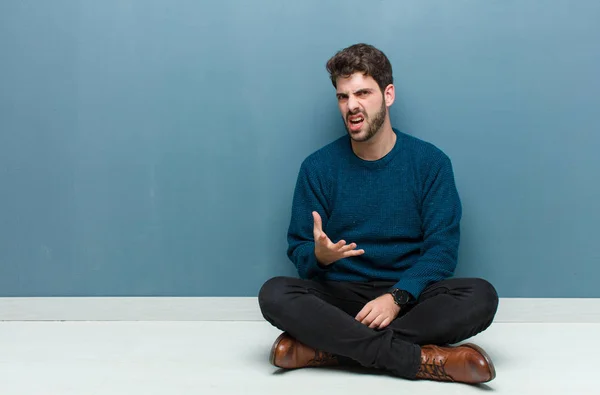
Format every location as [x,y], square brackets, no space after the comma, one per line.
[152,147]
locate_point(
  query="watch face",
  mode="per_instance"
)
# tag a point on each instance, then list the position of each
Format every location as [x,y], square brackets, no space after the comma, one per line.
[401,297]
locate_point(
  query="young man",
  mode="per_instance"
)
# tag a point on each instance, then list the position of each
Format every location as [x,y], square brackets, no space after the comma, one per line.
[374,235]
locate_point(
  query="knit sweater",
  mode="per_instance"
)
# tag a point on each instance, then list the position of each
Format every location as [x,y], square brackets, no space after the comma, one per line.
[403,210]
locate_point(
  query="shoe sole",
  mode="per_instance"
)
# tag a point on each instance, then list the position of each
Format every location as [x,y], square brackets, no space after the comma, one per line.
[485,356]
[274,348]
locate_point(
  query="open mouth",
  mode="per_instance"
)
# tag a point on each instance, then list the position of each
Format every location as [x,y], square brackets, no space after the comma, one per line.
[356,122]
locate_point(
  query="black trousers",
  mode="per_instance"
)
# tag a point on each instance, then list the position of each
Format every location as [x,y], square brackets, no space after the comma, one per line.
[321,314]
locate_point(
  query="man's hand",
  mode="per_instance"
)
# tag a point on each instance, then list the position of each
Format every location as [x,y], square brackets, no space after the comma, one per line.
[379,313]
[326,251]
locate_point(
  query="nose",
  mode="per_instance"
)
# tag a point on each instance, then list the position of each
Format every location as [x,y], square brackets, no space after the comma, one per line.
[352,104]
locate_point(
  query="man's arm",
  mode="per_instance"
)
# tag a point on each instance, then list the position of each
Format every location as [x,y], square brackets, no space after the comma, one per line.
[309,196]
[441,213]
[310,249]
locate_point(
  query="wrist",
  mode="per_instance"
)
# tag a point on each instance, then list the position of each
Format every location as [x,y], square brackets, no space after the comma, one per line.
[322,264]
[392,303]
[401,297]
[320,261]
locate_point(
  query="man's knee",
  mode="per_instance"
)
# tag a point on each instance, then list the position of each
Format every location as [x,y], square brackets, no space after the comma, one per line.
[487,297]
[271,293]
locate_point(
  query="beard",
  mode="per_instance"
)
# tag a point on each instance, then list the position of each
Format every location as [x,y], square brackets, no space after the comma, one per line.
[374,125]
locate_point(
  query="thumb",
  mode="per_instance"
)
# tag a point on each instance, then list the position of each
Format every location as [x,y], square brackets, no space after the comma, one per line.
[318,225]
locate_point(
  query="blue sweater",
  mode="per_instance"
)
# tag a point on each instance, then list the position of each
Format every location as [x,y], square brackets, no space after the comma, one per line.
[403,210]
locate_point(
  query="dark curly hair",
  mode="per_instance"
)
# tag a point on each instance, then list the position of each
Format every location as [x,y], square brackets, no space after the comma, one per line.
[363,58]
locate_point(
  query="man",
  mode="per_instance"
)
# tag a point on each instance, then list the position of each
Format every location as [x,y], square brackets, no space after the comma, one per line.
[374,235]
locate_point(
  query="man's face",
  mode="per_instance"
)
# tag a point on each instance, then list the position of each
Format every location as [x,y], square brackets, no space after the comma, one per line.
[362,106]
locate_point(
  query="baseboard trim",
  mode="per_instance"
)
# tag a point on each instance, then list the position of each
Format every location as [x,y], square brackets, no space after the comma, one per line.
[525,310]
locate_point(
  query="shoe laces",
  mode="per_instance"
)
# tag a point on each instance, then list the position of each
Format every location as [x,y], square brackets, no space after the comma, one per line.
[433,368]
[321,357]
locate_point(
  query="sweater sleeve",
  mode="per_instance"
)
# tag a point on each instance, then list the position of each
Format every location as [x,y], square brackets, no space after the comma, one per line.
[309,196]
[441,212]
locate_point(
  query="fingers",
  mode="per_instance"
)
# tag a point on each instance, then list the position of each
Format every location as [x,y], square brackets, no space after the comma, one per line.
[378,313]
[363,313]
[353,253]
[334,252]
[367,314]
[376,323]
[371,318]
[344,248]
[385,323]
[318,233]
[337,247]
[368,320]
[348,250]
[318,224]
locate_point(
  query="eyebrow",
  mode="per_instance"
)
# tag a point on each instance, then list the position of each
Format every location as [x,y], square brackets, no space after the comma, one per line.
[362,90]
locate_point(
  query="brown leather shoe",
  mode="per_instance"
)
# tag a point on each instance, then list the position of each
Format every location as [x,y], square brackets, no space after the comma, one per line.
[289,353]
[466,363]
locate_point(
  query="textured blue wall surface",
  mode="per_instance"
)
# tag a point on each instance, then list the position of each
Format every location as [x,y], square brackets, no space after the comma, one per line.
[152,147]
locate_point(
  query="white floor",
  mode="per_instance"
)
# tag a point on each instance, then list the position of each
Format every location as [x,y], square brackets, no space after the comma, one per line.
[232,358]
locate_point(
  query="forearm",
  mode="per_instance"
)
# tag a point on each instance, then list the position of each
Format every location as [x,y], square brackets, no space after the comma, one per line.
[437,262]
[308,197]
[302,254]
[441,214]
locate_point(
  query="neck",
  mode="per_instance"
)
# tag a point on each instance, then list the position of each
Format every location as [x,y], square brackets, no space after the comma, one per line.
[378,146]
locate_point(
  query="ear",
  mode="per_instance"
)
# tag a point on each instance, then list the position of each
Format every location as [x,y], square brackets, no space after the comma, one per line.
[389,94]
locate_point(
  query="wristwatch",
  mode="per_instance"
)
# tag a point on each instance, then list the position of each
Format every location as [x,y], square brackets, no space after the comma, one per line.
[401,297]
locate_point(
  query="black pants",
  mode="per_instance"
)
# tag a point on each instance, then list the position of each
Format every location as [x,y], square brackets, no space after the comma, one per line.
[321,315]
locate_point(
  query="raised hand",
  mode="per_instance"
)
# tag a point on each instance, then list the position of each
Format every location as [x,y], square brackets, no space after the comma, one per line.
[328,252]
